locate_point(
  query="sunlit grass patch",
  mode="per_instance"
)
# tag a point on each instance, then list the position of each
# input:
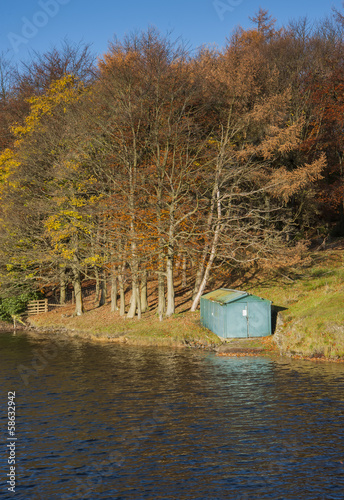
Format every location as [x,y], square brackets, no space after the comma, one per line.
[100,324]
[313,322]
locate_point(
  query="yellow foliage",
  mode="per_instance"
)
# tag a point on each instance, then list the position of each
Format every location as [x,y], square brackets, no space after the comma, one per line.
[72,214]
[62,91]
[94,260]
[77,202]
[66,253]
[213,141]
[8,163]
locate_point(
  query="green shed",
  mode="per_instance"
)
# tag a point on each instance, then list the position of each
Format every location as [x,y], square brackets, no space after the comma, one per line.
[232,313]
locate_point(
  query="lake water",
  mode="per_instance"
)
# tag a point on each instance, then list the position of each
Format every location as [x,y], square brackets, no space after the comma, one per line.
[117,422]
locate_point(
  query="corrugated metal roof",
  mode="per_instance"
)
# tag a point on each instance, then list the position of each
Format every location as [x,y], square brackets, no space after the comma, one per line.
[224,295]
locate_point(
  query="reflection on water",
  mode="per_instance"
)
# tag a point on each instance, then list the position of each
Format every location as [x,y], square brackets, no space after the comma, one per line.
[119,422]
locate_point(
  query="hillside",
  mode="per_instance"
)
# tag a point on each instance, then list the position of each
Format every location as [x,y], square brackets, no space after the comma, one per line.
[309,300]
[312,296]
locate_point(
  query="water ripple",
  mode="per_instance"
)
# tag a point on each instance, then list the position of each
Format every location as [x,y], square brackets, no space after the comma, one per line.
[117,422]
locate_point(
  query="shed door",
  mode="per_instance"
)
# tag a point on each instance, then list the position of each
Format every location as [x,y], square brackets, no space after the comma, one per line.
[236,319]
[258,320]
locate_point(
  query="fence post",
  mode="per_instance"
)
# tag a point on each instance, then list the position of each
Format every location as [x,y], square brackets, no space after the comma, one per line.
[46,305]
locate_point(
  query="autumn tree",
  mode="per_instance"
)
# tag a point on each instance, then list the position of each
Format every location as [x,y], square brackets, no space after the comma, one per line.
[21,82]
[324,84]
[45,179]
[151,151]
[307,58]
[249,151]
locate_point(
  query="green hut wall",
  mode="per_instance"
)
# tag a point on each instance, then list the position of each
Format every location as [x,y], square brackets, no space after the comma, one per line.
[233,313]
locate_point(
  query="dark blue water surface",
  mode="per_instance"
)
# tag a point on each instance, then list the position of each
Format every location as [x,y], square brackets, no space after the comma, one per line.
[110,421]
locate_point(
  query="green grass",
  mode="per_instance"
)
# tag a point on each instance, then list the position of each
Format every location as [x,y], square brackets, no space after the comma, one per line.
[313,323]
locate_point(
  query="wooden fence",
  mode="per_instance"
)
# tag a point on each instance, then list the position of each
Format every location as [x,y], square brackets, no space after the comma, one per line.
[42,306]
[37,307]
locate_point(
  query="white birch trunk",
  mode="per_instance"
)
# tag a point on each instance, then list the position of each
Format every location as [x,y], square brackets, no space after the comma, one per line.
[212,256]
[170,309]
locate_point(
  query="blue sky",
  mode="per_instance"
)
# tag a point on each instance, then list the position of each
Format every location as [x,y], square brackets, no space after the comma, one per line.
[37,25]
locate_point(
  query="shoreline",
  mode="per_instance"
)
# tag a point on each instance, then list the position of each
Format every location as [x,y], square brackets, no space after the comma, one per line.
[308,321]
[236,347]
[181,330]
[99,325]
[252,347]
[115,338]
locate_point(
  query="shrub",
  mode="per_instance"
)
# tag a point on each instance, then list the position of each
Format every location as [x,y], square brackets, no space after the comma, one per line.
[17,305]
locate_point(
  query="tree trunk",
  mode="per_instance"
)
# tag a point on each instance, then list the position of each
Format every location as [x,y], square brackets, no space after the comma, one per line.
[144,302]
[169,282]
[79,307]
[63,285]
[161,296]
[138,301]
[96,296]
[184,280]
[207,272]
[121,295]
[135,302]
[103,289]
[134,264]
[169,264]
[212,255]
[114,307]
[200,272]
[202,261]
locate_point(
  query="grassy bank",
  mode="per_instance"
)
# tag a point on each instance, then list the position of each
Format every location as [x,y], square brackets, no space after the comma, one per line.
[181,330]
[312,296]
[310,324]
[99,324]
